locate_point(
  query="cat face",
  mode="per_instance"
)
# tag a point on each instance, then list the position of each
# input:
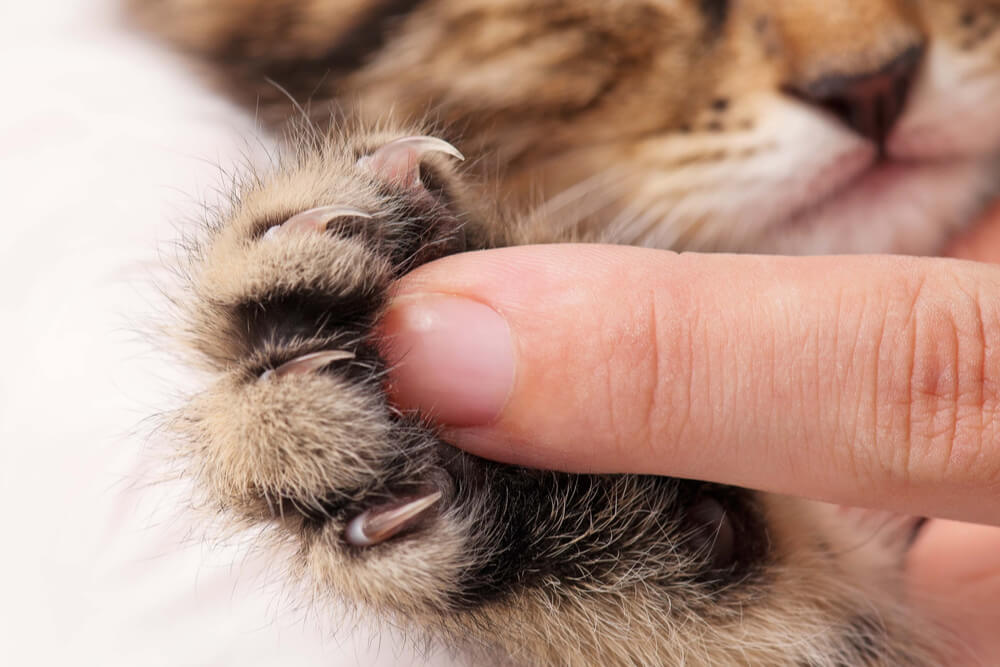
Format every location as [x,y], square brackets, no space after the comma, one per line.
[750,125]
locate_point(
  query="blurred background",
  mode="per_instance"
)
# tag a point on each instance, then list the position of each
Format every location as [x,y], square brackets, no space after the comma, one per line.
[108,148]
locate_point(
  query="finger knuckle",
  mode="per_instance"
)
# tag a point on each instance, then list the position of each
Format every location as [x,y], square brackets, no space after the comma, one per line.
[941,400]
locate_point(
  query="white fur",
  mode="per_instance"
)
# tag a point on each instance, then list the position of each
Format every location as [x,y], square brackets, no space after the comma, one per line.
[806,184]
[945,146]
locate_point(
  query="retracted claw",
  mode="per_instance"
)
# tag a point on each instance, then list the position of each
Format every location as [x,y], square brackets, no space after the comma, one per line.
[307,363]
[313,220]
[379,524]
[398,162]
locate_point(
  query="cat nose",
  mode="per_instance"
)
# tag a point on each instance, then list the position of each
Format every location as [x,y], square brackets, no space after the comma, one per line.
[869,103]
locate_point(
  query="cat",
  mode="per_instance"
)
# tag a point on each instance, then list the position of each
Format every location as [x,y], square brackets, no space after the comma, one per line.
[779,126]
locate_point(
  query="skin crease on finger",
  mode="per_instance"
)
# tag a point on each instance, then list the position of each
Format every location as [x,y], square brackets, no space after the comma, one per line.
[953,570]
[902,334]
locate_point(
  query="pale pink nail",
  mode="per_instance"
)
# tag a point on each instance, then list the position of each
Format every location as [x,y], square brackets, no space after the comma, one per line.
[453,357]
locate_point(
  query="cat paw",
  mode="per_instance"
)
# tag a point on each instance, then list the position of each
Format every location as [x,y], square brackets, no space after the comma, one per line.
[295,430]
[396,166]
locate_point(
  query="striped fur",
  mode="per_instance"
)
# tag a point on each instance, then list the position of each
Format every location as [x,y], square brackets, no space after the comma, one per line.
[678,124]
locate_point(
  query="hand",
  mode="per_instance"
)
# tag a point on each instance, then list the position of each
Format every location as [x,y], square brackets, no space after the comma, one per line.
[870,381]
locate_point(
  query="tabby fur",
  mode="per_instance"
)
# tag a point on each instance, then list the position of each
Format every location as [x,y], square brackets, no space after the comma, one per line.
[683,124]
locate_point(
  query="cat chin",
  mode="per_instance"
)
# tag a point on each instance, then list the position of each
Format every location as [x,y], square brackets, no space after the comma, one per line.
[899,208]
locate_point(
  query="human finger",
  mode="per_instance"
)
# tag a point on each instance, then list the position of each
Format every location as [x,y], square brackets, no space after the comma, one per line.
[860,380]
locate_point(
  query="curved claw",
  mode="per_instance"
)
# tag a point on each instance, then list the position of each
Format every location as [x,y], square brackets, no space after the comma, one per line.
[398,162]
[378,525]
[313,220]
[307,363]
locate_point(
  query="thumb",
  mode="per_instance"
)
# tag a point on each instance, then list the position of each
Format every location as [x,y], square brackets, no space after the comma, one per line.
[860,380]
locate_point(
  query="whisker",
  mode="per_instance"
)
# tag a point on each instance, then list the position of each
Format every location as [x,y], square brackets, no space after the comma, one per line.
[582,200]
[310,126]
[582,189]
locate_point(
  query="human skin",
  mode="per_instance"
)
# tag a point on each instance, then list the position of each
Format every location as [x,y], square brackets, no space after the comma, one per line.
[868,381]
[954,569]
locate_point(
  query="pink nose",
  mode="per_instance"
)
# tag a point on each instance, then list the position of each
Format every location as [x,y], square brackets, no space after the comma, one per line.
[869,103]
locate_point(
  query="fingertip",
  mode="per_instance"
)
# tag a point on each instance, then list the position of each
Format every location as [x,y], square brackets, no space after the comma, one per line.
[452,358]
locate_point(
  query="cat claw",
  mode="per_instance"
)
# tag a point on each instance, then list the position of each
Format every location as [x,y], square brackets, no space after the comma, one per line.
[313,220]
[307,363]
[398,162]
[378,525]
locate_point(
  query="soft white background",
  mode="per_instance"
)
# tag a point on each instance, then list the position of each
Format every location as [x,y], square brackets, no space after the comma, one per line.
[107,144]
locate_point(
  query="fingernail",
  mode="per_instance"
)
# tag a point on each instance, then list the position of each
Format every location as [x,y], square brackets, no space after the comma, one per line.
[453,358]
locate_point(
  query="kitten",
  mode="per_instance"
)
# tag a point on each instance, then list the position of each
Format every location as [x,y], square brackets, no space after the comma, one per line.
[752,125]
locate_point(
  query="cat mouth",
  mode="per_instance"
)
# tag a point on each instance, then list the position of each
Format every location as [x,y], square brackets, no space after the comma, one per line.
[863,203]
[873,180]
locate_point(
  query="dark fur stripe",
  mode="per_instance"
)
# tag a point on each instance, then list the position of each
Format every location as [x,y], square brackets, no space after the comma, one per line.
[368,35]
[716,12]
[358,44]
[545,543]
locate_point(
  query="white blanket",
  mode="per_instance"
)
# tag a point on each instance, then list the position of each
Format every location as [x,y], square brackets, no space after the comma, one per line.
[107,145]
